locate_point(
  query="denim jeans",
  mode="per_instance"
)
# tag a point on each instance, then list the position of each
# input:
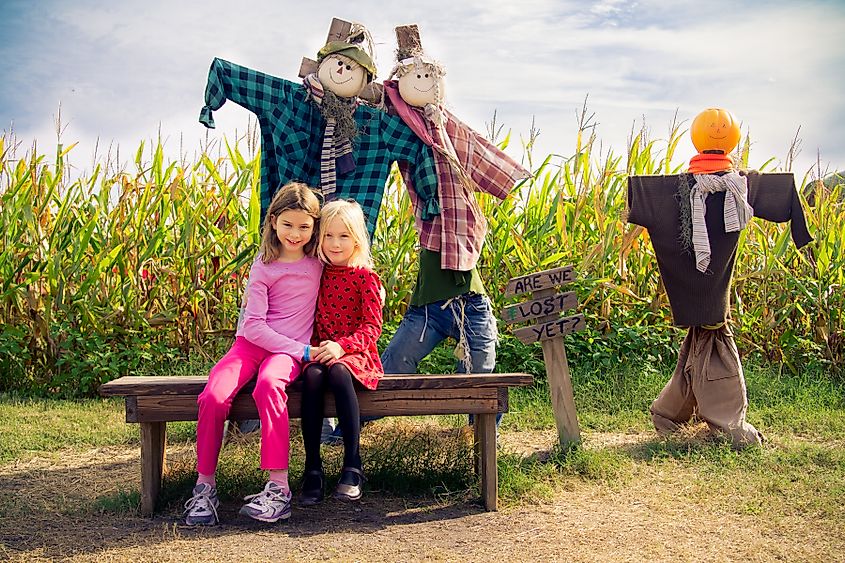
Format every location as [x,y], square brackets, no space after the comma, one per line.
[423,328]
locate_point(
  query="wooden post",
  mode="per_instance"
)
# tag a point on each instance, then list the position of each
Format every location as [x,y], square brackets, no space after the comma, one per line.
[549,330]
[476,447]
[153,441]
[560,384]
[489,470]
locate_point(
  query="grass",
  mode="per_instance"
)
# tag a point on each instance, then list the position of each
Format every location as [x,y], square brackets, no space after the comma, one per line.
[30,427]
[800,471]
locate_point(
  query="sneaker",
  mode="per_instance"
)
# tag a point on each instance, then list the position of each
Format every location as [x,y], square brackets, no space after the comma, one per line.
[333,438]
[201,508]
[326,430]
[270,505]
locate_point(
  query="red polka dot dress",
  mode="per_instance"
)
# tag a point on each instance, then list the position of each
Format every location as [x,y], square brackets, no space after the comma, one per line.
[349,312]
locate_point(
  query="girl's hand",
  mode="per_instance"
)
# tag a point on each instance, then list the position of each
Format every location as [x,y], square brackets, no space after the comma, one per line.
[328,352]
[314,352]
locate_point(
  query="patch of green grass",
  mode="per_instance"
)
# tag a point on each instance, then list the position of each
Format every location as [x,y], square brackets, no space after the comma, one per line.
[121,502]
[536,479]
[783,479]
[32,426]
[37,425]
[401,457]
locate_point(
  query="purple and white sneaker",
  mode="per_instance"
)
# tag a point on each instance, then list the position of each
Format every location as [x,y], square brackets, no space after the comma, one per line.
[201,508]
[270,505]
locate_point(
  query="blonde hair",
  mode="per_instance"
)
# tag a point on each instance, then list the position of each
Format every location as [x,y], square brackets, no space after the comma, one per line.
[352,216]
[296,196]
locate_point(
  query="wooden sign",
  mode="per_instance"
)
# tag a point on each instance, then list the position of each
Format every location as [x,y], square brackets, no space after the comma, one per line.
[339,30]
[550,329]
[545,306]
[539,281]
[539,307]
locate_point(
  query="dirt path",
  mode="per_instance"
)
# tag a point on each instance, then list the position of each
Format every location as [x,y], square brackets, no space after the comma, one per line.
[654,514]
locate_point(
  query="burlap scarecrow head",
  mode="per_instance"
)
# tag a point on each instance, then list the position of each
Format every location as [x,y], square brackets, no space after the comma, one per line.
[345,68]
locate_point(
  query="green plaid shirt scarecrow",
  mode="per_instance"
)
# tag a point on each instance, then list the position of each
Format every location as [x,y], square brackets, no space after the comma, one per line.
[292,132]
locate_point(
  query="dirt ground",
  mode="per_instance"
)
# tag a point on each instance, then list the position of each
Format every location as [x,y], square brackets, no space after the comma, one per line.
[652,515]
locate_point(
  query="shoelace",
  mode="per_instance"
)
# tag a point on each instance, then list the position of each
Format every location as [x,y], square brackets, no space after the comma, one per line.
[267,496]
[200,501]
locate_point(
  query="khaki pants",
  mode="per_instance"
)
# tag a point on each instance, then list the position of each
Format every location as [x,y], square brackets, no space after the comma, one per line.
[707,382]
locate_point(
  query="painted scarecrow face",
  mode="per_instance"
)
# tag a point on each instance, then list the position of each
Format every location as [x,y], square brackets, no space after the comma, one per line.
[342,76]
[421,84]
[715,129]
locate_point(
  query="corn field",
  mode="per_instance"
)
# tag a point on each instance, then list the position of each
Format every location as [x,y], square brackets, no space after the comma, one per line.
[120,268]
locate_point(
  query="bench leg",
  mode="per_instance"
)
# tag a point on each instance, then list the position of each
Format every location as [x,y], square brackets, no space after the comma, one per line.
[476,445]
[153,441]
[486,424]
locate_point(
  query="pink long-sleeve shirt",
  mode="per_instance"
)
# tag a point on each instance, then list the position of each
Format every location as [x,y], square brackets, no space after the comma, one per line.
[279,305]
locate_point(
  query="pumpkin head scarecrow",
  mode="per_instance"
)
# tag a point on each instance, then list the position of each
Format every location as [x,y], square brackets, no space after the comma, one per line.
[694,221]
[318,133]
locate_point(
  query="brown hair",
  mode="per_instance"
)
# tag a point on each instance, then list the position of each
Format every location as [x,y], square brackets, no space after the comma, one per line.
[293,195]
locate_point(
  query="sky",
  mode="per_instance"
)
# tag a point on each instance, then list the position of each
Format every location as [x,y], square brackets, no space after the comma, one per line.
[128,71]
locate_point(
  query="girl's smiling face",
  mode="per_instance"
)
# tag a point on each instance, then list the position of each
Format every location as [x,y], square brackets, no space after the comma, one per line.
[339,244]
[294,229]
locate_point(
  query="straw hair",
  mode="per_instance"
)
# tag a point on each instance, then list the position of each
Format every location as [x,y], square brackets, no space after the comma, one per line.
[296,196]
[353,218]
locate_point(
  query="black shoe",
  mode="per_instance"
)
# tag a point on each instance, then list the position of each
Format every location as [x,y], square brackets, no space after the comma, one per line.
[312,488]
[351,484]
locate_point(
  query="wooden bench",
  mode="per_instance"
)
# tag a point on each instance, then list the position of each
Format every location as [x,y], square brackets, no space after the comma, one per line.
[154,401]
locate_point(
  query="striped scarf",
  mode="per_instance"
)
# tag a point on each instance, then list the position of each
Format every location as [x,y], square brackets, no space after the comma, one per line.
[336,153]
[737,210]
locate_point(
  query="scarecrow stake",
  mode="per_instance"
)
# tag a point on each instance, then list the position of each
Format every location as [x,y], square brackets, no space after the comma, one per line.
[544,308]
[408,38]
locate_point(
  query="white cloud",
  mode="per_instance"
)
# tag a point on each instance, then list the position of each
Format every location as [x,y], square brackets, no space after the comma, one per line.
[120,69]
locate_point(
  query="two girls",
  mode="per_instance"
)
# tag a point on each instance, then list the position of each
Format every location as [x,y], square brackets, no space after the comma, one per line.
[277,323]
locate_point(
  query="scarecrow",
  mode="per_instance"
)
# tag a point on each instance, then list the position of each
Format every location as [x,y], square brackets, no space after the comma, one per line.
[449,297]
[694,222]
[317,132]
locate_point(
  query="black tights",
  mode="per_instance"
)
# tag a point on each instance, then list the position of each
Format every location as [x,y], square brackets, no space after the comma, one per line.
[316,380]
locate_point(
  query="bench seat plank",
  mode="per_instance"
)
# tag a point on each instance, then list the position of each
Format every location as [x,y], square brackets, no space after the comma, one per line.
[170,408]
[135,385]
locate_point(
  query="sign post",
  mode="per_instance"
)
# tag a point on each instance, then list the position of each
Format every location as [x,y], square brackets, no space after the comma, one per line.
[544,309]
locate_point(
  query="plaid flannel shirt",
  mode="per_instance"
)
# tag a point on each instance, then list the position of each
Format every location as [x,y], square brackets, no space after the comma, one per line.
[291,138]
[458,231]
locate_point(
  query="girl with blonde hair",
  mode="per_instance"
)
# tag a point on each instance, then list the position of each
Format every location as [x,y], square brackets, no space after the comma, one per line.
[348,325]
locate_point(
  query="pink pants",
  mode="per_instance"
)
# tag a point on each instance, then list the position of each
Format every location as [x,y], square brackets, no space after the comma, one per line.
[227,377]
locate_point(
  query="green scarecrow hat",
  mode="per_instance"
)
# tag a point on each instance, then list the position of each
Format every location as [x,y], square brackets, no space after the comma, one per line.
[351,50]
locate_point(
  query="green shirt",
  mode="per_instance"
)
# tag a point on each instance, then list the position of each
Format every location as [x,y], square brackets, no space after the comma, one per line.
[437,284]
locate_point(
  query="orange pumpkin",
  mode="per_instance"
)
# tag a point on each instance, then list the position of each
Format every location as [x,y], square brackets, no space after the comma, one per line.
[715,129]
